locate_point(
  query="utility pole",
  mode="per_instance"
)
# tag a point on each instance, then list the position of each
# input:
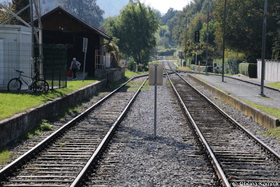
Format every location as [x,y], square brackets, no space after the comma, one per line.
[207,39]
[224,34]
[263,48]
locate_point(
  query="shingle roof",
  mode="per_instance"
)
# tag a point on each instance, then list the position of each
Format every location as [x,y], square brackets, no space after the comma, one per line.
[59,8]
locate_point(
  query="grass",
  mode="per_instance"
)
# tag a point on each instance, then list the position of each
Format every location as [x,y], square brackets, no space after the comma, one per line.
[4,156]
[130,74]
[184,69]
[272,111]
[133,86]
[13,103]
[274,84]
[44,126]
[273,133]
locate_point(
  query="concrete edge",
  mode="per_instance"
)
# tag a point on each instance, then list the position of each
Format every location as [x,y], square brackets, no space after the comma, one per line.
[257,115]
[12,128]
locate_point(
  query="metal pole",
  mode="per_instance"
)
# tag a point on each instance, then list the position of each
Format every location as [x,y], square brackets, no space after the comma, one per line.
[155,103]
[196,59]
[207,39]
[32,35]
[85,46]
[263,48]
[224,34]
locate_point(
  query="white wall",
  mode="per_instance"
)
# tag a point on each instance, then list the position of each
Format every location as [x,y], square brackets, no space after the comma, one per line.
[272,70]
[16,52]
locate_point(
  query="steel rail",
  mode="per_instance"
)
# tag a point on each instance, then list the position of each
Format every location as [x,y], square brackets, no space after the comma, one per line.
[79,181]
[219,171]
[265,147]
[26,157]
[233,121]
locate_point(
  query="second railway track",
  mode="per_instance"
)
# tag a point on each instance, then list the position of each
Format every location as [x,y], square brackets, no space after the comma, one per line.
[243,159]
[65,157]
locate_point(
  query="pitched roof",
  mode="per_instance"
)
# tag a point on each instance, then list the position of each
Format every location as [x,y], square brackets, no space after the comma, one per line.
[59,8]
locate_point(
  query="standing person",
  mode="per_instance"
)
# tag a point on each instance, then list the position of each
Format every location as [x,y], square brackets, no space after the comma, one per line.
[75,65]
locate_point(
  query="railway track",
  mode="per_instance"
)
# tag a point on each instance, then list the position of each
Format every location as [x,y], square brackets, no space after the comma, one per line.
[239,158]
[66,157]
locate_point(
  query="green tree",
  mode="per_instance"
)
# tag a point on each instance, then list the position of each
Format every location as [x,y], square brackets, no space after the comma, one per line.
[87,10]
[5,14]
[169,15]
[276,38]
[244,26]
[17,6]
[135,29]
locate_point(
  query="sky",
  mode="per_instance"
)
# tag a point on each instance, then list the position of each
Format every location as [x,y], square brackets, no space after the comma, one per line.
[164,5]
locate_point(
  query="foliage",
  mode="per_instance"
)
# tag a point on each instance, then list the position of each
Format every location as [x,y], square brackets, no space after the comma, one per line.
[4,14]
[131,64]
[4,156]
[25,15]
[195,16]
[45,126]
[86,10]
[114,51]
[243,28]
[276,39]
[169,15]
[244,25]
[164,39]
[166,52]
[135,28]
[248,69]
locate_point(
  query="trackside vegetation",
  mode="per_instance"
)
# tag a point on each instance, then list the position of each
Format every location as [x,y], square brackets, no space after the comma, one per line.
[5,155]
[22,101]
[19,102]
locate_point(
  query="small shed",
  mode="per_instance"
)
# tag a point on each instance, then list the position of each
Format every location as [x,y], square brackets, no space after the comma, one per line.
[63,28]
[15,52]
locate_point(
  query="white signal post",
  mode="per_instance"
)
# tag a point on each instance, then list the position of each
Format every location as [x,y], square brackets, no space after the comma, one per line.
[155,78]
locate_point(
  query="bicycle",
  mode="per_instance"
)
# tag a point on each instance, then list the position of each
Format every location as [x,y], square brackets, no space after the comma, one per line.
[37,85]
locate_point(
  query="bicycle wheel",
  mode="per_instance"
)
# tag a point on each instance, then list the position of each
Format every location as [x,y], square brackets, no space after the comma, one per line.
[40,86]
[14,85]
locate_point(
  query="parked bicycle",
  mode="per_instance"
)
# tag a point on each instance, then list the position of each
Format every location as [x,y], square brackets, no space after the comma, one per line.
[37,85]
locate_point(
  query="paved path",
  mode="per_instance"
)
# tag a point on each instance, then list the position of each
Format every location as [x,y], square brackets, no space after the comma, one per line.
[244,90]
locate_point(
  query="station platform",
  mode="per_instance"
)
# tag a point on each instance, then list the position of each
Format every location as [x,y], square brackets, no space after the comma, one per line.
[241,93]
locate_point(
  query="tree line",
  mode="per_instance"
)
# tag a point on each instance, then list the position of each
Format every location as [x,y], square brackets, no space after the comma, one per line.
[87,10]
[139,28]
[243,28]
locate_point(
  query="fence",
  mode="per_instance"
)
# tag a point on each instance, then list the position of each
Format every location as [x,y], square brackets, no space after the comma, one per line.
[54,64]
[17,55]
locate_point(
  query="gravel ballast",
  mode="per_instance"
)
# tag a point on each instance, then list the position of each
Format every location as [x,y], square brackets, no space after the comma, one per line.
[173,158]
[167,160]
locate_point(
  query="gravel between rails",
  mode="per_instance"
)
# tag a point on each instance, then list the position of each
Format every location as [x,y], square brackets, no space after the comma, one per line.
[166,161]
[173,158]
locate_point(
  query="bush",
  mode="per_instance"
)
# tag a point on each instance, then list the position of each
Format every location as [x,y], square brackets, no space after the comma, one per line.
[248,69]
[231,66]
